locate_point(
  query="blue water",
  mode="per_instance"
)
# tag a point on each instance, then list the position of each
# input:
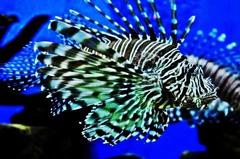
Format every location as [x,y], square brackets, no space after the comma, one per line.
[177,138]
[7,111]
[223,14]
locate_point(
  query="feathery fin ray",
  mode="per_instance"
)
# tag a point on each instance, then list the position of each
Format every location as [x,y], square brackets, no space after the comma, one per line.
[126,76]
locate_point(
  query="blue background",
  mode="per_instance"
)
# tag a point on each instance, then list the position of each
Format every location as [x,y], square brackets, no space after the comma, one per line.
[222,14]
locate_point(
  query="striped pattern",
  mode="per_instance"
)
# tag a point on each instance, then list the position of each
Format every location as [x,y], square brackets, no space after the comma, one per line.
[227,82]
[20,72]
[216,112]
[129,81]
[176,76]
[161,28]
[174,21]
[146,20]
[220,61]
[114,89]
[219,110]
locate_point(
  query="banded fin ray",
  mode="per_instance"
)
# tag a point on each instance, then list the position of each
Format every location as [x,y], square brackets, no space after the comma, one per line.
[121,95]
[146,19]
[127,81]
[100,11]
[161,29]
[20,72]
[83,38]
[217,111]
[76,18]
[123,19]
[144,26]
[217,48]
[174,22]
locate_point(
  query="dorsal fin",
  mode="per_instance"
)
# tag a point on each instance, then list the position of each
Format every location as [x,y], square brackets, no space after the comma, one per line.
[161,28]
[139,25]
[123,18]
[146,20]
[116,24]
[97,23]
[91,31]
[187,30]
[174,22]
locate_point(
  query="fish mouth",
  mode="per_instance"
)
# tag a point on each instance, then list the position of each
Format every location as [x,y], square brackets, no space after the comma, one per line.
[206,99]
[200,102]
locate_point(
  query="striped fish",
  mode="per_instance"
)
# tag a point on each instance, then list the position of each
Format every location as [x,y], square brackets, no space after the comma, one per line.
[128,72]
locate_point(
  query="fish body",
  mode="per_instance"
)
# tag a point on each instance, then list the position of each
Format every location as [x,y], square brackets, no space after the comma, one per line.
[129,75]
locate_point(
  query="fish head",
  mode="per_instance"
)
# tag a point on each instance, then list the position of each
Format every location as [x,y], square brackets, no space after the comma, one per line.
[201,91]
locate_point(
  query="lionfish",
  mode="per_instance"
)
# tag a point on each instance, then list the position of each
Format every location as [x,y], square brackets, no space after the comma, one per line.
[129,75]
[219,60]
